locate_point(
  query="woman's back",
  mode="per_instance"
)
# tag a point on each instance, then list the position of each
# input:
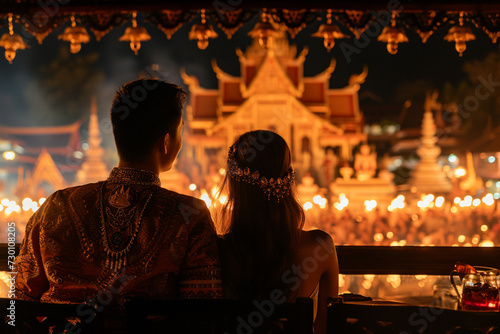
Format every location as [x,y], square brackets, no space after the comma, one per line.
[264,249]
[313,274]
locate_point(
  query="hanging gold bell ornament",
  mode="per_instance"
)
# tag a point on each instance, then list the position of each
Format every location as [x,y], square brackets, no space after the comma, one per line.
[393,35]
[460,35]
[329,32]
[75,36]
[12,42]
[264,31]
[202,32]
[135,35]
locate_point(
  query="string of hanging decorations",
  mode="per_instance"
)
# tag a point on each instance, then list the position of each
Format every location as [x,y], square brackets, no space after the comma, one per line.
[391,27]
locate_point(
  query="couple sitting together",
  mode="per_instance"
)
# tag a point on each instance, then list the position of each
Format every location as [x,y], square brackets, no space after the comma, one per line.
[129,236]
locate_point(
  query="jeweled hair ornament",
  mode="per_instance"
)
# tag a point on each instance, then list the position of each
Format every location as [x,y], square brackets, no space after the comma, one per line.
[277,187]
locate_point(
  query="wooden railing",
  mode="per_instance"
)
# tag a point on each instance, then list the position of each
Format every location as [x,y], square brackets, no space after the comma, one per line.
[381,260]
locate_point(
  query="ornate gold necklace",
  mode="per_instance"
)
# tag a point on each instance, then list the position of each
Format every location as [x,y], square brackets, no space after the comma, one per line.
[120,215]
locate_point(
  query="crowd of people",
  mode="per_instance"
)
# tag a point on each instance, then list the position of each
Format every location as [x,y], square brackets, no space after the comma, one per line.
[412,227]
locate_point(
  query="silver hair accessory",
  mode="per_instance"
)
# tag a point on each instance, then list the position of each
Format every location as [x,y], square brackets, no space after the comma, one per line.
[277,187]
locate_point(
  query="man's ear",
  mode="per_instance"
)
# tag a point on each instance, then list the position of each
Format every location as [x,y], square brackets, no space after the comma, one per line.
[166,142]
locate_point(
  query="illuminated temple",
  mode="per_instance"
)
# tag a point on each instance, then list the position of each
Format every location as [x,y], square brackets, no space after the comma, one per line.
[272,93]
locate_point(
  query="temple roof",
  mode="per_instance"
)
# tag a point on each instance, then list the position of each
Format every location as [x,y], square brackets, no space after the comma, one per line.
[61,142]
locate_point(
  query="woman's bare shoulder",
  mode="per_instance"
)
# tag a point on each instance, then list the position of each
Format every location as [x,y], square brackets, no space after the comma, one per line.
[314,238]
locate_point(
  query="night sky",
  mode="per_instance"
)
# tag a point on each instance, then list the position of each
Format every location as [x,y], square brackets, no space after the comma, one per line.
[435,60]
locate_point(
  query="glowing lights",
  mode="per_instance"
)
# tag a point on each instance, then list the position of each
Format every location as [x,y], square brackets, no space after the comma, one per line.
[439,201]
[426,201]
[452,158]
[370,204]
[222,171]
[488,199]
[378,237]
[307,206]
[453,209]
[394,280]
[205,198]
[214,191]
[484,228]
[491,159]
[9,155]
[192,187]
[476,202]
[343,202]
[319,200]
[459,172]
[461,238]
[456,200]
[366,284]
[42,200]
[466,202]
[397,203]
[27,201]
[222,199]
[389,235]
[486,243]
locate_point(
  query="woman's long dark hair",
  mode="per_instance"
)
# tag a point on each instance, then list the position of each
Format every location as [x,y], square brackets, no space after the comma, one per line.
[262,232]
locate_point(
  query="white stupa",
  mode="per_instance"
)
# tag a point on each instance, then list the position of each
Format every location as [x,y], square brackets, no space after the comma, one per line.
[428,176]
[93,168]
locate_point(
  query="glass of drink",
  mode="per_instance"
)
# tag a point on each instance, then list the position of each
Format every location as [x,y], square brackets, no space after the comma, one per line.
[480,292]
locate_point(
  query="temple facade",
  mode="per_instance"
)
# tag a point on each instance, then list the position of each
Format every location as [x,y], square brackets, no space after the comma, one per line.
[272,93]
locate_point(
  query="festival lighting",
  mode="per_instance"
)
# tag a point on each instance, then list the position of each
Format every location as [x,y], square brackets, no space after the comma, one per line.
[459,172]
[202,32]
[486,243]
[393,35]
[75,35]
[370,204]
[460,35]
[9,155]
[12,42]
[343,202]
[222,199]
[329,32]
[135,35]
[488,199]
[204,197]
[439,201]
[264,31]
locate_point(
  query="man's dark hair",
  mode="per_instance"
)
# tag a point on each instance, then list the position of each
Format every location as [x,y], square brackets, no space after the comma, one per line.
[141,113]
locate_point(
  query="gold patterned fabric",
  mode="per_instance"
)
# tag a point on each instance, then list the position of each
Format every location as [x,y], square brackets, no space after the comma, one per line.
[126,235]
